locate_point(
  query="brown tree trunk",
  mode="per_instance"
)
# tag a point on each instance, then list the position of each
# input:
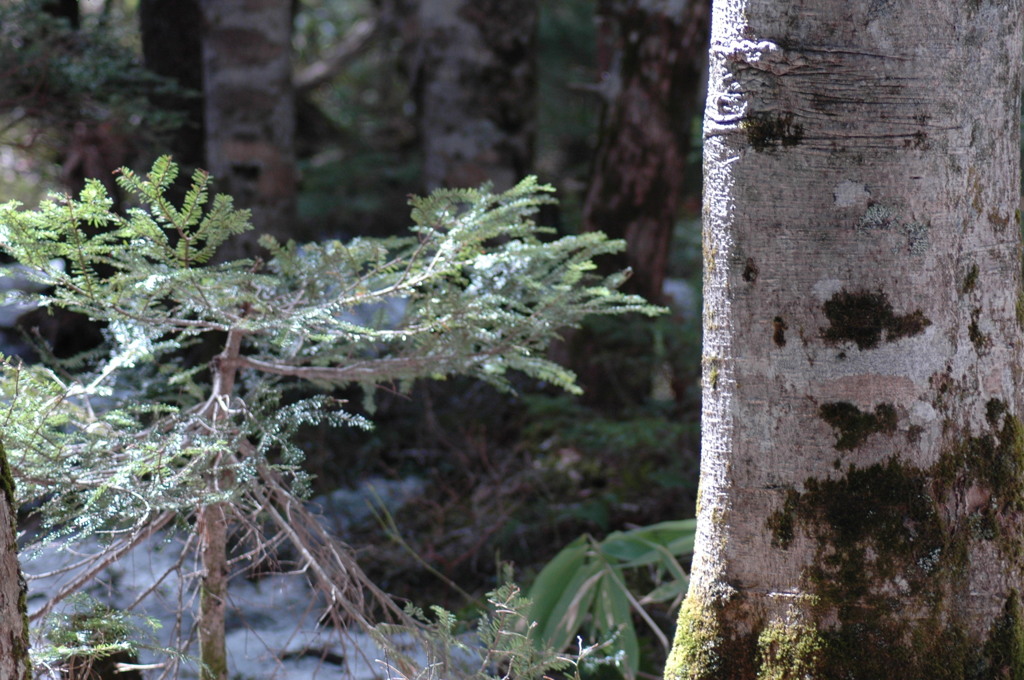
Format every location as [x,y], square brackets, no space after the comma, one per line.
[14,661]
[250,112]
[214,520]
[654,60]
[653,56]
[477,90]
[861,500]
[65,9]
[213,526]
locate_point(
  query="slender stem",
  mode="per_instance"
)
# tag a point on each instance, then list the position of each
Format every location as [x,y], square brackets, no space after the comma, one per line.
[213,524]
[214,591]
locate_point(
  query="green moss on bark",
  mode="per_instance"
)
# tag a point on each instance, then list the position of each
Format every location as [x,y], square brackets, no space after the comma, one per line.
[970,280]
[854,426]
[770,130]
[702,649]
[866,317]
[893,541]
[981,341]
[1020,309]
[6,479]
[790,650]
[990,466]
[873,525]
[1005,646]
[886,564]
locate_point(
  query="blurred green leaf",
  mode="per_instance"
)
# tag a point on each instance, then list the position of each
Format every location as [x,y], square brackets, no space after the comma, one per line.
[584,588]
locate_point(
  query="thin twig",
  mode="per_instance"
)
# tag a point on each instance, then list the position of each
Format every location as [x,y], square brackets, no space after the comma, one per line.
[102,561]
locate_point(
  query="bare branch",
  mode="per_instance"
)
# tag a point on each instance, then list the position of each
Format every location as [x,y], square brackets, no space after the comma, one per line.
[352,44]
[103,560]
[368,370]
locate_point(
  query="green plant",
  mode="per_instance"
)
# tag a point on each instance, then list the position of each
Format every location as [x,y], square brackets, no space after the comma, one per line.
[147,428]
[87,636]
[645,457]
[504,645]
[56,76]
[586,587]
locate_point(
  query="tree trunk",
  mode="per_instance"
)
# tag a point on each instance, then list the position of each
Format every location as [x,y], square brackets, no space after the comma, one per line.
[250,111]
[653,56]
[214,520]
[862,481]
[172,47]
[14,662]
[654,65]
[213,529]
[477,90]
[65,9]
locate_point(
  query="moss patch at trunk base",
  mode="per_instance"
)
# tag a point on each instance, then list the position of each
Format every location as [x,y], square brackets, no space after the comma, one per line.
[890,563]
[703,649]
[790,650]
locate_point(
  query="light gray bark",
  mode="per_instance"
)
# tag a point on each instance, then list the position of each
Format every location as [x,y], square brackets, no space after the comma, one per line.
[14,661]
[862,481]
[477,90]
[250,110]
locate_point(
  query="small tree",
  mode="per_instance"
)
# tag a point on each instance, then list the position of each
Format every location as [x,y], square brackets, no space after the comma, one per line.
[126,439]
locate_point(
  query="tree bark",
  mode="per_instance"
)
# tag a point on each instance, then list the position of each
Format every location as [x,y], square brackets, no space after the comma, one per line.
[476,90]
[172,47]
[653,56]
[214,520]
[250,112]
[213,526]
[65,9]
[654,63]
[862,480]
[14,661]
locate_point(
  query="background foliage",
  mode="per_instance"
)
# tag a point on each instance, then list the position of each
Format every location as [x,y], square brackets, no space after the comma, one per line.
[501,477]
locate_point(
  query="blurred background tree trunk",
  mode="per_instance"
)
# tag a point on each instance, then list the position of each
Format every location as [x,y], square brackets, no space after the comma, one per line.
[65,9]
[652,58]
[250,112]
[172,47]
[476,84]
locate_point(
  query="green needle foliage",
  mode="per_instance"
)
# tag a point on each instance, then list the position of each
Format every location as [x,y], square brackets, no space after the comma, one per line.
[139,431]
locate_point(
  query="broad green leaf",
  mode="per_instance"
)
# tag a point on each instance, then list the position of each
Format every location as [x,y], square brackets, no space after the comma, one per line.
[553,579]
[669,590]
[612,617]
[572,606]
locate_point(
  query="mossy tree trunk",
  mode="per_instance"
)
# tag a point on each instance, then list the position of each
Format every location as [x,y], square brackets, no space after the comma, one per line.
[249,112]
[476,90]
[14,661]
[862,483]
